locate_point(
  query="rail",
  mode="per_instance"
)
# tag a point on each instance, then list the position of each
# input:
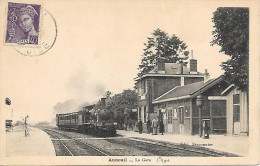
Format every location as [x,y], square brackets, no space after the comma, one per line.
[198,150]
[60,142]
[79,141]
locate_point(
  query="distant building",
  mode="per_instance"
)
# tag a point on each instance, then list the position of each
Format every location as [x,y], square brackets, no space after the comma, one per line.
[164,77]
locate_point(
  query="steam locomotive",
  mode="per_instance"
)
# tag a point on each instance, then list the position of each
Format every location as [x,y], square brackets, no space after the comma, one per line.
[93,119]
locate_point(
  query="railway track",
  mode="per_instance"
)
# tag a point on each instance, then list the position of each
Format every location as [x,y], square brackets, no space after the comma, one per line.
[68,146]
[193,150]
[161,148]
[128,146]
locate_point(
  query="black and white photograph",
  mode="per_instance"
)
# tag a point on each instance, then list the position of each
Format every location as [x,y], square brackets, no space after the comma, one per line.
[120,82]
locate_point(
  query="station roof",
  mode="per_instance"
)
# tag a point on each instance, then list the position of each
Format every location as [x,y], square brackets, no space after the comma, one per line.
[187,91]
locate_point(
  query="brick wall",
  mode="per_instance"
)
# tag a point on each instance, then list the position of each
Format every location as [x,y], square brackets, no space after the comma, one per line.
[190,80]
[163,85]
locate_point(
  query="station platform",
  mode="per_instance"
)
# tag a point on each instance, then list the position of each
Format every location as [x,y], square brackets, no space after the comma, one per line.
[38,143]
[238,145]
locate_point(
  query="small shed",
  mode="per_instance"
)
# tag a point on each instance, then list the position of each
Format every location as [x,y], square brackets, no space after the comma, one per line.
[237,111]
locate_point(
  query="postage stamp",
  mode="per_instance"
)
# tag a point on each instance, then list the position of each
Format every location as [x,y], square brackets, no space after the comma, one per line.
[23,23]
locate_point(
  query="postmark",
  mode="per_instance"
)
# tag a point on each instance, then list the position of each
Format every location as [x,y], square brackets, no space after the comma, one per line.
[23,22]
[44,24]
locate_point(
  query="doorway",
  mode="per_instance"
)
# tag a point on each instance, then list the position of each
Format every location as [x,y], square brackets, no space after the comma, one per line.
[181,119]
[170,119]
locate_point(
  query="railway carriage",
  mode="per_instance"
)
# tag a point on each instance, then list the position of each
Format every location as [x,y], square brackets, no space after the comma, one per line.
[67,121]
[95,120]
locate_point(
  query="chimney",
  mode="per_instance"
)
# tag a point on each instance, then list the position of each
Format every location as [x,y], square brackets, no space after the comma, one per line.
[161,64]
[193,64]
[206,76]
[103,102]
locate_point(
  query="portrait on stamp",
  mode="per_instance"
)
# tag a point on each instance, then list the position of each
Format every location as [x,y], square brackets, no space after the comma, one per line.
[22,23]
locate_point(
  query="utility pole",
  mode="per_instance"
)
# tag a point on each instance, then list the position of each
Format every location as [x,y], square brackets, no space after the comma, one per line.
[26,131]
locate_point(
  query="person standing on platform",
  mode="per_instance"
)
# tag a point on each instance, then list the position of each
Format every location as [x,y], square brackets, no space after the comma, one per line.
[140,126]
[161,127]
[148,125]
[155,126]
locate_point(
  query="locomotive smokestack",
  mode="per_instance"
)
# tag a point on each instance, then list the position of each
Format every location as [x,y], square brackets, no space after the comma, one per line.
[103,102]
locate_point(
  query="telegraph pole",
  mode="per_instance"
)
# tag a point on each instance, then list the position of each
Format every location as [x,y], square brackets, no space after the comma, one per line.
[26,132]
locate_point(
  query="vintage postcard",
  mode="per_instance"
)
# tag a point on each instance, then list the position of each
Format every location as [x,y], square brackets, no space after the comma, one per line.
[122,82]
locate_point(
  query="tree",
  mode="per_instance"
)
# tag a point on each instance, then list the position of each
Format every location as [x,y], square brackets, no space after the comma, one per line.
[18,123]
[232,35]
[122,105]
[42,123]
[162,45]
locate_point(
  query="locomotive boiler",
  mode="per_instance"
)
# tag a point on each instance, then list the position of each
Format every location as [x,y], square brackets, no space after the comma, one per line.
[93,119]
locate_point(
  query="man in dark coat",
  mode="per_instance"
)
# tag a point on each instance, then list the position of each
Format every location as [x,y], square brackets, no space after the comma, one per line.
[140,126]
[148,123]
[161,127]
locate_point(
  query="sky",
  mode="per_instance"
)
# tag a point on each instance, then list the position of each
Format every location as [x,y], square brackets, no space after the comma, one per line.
[98,48]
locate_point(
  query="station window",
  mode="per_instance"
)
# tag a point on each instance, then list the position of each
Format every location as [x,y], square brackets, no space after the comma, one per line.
[170,116]
[181,115]
[236,108]
[175,113]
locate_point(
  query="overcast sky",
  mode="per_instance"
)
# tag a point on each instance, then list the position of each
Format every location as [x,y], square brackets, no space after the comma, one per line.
[98,48]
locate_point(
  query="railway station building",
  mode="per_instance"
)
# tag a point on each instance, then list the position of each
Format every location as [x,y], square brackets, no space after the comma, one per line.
[164,77]
[180,113]
[169,92]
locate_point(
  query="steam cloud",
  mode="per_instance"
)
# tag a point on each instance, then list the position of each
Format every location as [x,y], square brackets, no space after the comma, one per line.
[66,107]
[83,89]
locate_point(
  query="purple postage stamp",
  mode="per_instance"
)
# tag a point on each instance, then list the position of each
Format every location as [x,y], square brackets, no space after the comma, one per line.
[23,21]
